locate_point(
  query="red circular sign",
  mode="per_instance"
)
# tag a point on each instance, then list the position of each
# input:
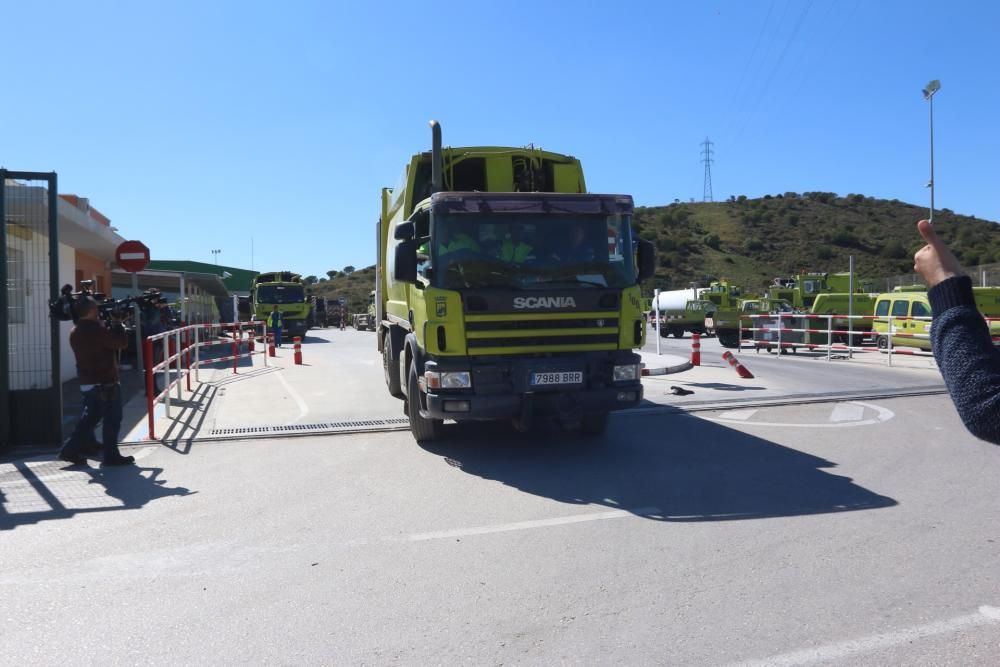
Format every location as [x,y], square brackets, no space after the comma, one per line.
[132,256]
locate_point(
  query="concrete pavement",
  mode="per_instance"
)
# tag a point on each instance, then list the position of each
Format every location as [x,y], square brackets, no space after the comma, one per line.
[724,530]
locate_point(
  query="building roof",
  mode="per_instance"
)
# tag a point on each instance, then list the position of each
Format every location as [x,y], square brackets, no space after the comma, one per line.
[238,281]
[169,281]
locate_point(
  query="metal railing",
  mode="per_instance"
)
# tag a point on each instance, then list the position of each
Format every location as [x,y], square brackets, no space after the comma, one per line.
[779,330]
[182,357]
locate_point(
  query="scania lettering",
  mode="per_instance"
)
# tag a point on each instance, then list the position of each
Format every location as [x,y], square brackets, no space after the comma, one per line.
[522,302]
[505,291]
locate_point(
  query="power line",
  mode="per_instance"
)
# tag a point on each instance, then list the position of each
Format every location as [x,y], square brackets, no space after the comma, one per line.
[706,157]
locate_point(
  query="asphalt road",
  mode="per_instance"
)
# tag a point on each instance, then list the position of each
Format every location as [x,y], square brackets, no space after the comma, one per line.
[812,532]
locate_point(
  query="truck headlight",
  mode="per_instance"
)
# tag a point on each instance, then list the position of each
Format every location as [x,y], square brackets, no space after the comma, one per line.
[626,373]
[448,379]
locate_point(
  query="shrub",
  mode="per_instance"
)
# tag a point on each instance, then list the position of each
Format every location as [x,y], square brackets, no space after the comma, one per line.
[713,241]
[824,252]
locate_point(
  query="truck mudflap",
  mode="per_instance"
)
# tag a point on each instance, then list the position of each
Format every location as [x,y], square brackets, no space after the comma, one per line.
[516,388]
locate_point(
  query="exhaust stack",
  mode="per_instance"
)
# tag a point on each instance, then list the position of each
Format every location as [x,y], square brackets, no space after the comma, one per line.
[437,159]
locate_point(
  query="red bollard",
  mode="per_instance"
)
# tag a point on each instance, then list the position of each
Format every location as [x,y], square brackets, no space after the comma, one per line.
[696,349]
[298,350]
[270,345]
[735,363]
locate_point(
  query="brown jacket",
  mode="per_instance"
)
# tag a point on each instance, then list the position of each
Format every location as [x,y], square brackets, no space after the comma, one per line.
[94,347]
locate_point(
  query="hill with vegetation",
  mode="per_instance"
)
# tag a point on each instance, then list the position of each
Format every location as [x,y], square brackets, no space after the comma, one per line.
[353,285]
[753,241]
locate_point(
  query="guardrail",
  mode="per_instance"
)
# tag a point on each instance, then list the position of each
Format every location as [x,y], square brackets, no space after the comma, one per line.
[779,334]
[183,343]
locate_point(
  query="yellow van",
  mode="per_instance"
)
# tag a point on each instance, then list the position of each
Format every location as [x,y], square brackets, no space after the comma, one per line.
[910,302]
[904,332]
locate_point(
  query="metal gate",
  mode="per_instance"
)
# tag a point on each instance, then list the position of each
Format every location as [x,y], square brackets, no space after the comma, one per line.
[30,391]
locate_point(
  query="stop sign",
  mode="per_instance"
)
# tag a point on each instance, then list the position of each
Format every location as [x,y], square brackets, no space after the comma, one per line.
[132,256]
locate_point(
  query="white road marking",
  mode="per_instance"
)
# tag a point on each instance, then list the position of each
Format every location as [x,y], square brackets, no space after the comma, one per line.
[847,412]
[882,415]
[738,415]
[517,525]
[303,408]
[985,615]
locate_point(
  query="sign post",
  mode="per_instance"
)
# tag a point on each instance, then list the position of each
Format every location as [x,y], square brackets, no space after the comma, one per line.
[133,256]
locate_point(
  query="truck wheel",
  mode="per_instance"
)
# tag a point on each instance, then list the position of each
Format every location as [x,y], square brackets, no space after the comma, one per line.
[594,423]
[389,366]
[423,429]
[729,339]
[882,342]
[678,333]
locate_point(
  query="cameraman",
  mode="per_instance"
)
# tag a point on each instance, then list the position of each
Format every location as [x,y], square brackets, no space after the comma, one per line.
[94,347]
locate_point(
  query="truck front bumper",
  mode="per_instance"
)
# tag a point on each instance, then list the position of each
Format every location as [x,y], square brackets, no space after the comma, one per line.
[502,390]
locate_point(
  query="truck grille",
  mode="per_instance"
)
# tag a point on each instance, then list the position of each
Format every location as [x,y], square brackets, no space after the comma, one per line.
[591,332]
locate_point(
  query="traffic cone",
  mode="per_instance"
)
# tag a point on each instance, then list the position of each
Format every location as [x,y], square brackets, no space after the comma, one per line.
[696,349]
[270,345]
[298,350]
[735,363]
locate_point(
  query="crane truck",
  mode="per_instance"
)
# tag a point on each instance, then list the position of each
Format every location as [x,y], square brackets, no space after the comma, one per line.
[505,291]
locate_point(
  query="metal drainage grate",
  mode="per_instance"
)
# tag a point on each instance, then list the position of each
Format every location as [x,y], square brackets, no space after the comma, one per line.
[325,427]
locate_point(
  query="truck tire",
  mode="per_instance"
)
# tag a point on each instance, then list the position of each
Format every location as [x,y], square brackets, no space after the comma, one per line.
[422,428]
[390,363]
[728,338]
[677,332]
[594,423]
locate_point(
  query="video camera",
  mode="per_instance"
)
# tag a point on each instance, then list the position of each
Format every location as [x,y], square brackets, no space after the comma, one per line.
[64,308]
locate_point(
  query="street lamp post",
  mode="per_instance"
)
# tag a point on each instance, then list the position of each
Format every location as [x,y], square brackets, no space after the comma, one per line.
[929,91]
[216,254]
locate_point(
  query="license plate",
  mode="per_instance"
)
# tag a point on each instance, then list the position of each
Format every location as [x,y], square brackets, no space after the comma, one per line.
[559,377]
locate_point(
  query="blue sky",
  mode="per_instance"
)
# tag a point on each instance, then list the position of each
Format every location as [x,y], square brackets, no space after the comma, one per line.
[198,125]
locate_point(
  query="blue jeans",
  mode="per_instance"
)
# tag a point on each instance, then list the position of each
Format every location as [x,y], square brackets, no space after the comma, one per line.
[102,403]
[277,335]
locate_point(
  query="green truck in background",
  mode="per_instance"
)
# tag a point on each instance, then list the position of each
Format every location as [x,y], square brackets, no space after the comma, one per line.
[691,318]
[365,321]
[504,291]
[285,290]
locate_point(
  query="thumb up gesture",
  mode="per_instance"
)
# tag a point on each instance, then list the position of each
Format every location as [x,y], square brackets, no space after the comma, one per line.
[934,262]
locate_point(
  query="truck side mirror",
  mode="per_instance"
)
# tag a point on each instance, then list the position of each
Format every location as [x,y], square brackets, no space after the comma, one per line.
[405,265]
[647,260]
[404,231]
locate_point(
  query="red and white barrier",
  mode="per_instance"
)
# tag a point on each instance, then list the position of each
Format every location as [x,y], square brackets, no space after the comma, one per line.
[183,343]
[782,331]
[696,349]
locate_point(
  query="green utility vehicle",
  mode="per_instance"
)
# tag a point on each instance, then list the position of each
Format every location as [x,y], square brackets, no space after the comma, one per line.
[691,318]
[726,297]
[285,290]
[365,321]
[801,290]
[505,291]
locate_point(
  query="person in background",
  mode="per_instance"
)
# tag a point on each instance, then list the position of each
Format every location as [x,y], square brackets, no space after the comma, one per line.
[95,347]
[960,338]
[274,323]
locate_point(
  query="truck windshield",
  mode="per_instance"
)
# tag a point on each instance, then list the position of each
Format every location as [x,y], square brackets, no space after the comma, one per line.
[280,294]
[525,251]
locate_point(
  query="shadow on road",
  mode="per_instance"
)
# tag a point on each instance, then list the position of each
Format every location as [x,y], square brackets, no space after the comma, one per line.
[32,492]
[688,469]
